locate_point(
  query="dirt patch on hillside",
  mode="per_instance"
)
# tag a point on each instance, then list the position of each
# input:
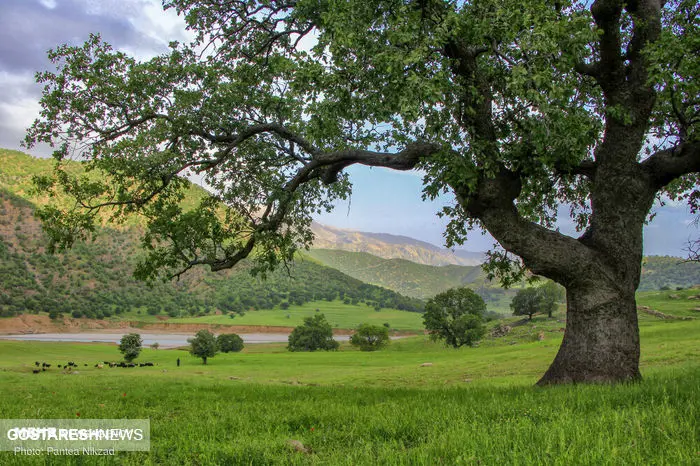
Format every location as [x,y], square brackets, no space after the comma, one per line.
[29,323]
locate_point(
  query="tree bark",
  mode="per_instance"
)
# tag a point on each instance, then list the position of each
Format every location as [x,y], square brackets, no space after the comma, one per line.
[601,341]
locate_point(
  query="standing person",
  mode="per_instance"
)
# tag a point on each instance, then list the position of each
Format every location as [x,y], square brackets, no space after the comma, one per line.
[178,362]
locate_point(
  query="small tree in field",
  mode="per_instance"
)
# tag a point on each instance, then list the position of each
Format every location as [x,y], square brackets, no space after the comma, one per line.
[130,346]
[527,302]
[370,337]
[552,295]
[203,345]
[456,316]
[314,334]
[545,299]
[229,343]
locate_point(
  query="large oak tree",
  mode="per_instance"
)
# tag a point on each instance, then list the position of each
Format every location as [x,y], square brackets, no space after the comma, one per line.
[517,108]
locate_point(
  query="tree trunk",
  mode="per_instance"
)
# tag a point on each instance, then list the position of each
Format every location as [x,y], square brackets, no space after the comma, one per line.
[205,360]
[601,341]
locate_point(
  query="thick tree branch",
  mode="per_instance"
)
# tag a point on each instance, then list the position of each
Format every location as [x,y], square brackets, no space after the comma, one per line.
[585,168]
[325,166]
[544,252]
[588,69]
[606,14]
[666,165]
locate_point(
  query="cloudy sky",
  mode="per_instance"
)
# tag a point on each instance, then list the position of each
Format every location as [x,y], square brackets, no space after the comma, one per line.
[383,201]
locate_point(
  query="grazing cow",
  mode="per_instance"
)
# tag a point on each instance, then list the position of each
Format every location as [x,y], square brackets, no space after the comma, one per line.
[43,364]
[36,371]
[36,363]
[60,366]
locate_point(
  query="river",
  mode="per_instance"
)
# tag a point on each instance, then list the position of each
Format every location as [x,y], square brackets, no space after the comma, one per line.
[164,340]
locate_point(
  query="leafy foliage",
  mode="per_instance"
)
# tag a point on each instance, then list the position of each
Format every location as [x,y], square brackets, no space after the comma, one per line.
[203,345]
[315,334]
[456,316]
[130,346]
[530,301]
[527,302]
[552,295]
[369,337]
[229,343]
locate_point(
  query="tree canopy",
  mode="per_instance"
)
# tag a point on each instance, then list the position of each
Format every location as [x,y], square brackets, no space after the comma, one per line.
[203,345]
[130,346]
[518,109]
[456,316]
[370,337]
[313,335]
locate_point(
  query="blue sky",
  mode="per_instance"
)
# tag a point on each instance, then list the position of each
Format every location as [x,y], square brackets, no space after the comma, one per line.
[383,201]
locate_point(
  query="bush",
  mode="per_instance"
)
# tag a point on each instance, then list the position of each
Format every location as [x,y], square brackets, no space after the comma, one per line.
[314,334]
[130,346]
[203,345]
[456,316]
[370,337]
[229,343]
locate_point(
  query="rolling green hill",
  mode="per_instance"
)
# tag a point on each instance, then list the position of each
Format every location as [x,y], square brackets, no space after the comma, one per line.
[95,279]
[424,281]
[409,278]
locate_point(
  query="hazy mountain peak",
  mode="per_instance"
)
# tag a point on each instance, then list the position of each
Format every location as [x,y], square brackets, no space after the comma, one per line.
[390,246]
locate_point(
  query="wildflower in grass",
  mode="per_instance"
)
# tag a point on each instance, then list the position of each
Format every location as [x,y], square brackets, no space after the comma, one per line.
[77,414]
[124,394]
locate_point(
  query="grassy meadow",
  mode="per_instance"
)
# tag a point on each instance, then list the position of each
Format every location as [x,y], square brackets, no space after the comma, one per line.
[338,314]
[470,406]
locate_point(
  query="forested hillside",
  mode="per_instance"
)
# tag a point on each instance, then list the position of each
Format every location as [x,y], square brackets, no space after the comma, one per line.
[95,279]
[663,271]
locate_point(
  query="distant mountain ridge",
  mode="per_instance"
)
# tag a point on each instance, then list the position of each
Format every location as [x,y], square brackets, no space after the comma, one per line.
[388,246]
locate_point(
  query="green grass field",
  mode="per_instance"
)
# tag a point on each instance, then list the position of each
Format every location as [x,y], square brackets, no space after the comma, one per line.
[339,315]
[472,406]
[348,316]
[681,303]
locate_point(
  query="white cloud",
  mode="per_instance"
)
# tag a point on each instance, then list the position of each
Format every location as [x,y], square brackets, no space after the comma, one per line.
[50,4]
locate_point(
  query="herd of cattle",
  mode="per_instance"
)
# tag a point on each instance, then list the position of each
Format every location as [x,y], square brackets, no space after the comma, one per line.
[68,367]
